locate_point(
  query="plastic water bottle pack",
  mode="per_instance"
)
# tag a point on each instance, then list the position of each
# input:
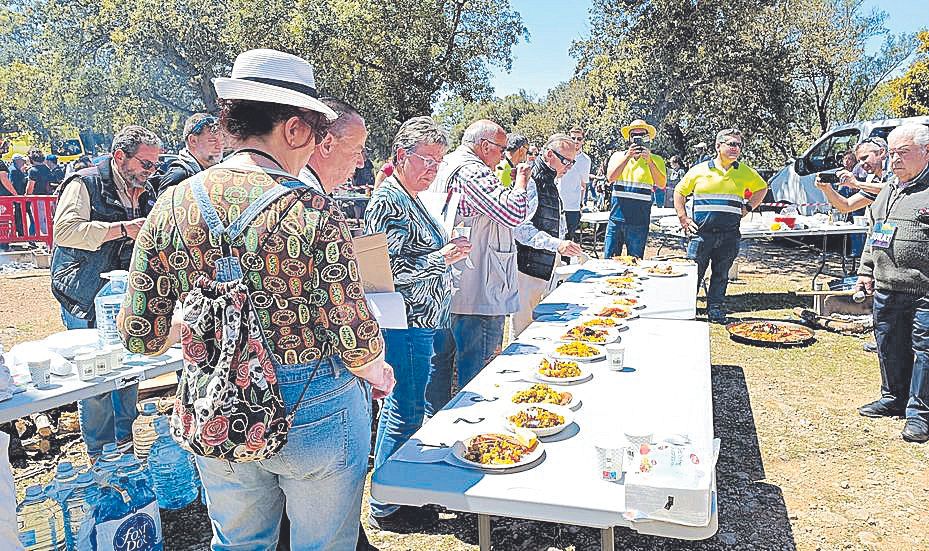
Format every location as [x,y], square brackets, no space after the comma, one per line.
[174,474]
[107,304]
[40,522]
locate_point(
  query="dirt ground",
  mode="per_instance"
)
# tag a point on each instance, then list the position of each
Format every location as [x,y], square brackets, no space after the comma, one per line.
[798,469]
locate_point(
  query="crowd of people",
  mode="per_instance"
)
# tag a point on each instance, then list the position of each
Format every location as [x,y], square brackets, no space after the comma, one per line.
[247,210]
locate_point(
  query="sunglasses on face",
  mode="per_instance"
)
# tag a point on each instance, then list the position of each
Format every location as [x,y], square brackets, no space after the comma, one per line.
[577,138]
[146,164]
[210,121]
[568,163]
[732,144]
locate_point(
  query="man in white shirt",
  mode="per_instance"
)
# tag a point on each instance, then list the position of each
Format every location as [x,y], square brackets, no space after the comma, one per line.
[573,185]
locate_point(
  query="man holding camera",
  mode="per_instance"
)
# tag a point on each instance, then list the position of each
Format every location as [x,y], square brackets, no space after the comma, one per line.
[872,156]
[633,173]
[895,268]
[720,187]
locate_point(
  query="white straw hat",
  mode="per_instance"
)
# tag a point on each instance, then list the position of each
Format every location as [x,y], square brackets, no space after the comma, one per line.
[273,77]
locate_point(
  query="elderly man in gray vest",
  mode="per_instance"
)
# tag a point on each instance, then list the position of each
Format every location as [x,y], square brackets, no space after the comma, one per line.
[540,240]
[895,269]
[487,281]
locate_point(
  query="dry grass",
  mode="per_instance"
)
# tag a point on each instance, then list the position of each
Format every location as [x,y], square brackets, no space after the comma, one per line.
[799,469]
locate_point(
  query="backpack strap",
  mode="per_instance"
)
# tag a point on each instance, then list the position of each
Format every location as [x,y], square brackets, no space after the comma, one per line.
[238,226]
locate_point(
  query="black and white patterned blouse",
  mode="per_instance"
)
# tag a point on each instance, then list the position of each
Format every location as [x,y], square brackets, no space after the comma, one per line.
[414,238]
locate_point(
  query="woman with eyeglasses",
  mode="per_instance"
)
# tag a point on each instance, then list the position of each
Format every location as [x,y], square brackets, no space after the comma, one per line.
[421,256]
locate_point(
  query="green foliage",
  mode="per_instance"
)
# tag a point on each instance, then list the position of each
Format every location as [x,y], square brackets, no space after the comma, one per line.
[909,94]
[106,62]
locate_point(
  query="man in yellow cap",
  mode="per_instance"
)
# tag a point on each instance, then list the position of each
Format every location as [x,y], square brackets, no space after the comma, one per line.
[633,174]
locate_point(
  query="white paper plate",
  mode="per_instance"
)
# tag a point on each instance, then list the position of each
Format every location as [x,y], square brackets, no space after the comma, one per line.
[570,405]
[673,274]
[601,353]
[632,315]
[612,335]
[566,413]
[458,451]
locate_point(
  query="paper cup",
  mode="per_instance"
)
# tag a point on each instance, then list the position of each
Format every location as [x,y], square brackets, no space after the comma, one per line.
[860,220]
[638,437]
[41,372]
[610,455]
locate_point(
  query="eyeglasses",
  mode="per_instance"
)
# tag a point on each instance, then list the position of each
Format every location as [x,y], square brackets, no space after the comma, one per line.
[568,163]
[146,164]
[428,162]
[491,142]
[577,138]
[732,144]
[210,121]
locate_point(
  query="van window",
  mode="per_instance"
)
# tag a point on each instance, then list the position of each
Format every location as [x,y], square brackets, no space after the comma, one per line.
[828,153]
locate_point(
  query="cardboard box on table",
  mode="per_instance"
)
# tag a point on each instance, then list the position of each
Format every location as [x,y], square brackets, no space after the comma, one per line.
[374,267]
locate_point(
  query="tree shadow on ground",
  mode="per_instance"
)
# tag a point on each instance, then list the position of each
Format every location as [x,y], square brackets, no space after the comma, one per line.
[754,302]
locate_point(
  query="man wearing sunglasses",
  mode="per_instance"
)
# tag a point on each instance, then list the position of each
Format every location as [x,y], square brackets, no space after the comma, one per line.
[99,214]
[542,237]
[633,174]
[720,187]
[203,148]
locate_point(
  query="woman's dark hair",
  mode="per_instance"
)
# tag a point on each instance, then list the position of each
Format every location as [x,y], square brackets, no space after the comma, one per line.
[244,119]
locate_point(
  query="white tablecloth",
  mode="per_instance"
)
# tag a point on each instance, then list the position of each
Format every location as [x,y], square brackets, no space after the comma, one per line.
[665,389]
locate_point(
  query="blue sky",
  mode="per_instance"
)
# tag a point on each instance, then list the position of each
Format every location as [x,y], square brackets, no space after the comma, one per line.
[553,24]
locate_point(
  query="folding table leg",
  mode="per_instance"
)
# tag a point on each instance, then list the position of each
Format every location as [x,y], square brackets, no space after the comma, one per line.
[606,539]
[822,261]
[483,532]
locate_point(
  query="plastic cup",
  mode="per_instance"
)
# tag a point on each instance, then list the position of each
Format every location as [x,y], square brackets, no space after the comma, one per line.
[84,364]
[117,356]
[860,220]
[41,372]
[615,356]
[610,456]
[101,364]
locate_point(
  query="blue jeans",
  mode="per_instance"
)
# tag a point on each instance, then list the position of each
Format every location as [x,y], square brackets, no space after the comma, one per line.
[409,352]
[901,328]
[471,343]
[619,233]
[320,470]
[720,248]
[658,198]
[477,340]
[106,417]
[439,387]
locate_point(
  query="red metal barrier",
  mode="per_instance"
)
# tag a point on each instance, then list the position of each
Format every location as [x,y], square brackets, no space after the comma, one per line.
[41,209]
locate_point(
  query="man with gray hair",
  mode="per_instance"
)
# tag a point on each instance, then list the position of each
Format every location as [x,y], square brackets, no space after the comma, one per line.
[517,147]
[98,216]
[486,281]
[895,269]
[203,148]
[541,238]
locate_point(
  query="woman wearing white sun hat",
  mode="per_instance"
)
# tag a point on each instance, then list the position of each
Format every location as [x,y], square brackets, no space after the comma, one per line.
[298,261]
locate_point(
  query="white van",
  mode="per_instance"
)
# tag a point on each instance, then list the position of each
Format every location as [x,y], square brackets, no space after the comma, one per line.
[795,183]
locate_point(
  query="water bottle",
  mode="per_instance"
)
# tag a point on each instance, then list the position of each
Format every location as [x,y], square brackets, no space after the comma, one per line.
[110,460]
[78,508]
[40,522]
[59,489]
[125,516]
[173,471]
[107,304]
[143,430]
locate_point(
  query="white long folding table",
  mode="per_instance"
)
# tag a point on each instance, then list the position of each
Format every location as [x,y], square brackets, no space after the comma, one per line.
[665,387]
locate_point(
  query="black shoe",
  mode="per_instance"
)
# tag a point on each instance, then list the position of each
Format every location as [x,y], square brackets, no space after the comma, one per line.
[915,430]
[869,347]
[881,408]
[405,519]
